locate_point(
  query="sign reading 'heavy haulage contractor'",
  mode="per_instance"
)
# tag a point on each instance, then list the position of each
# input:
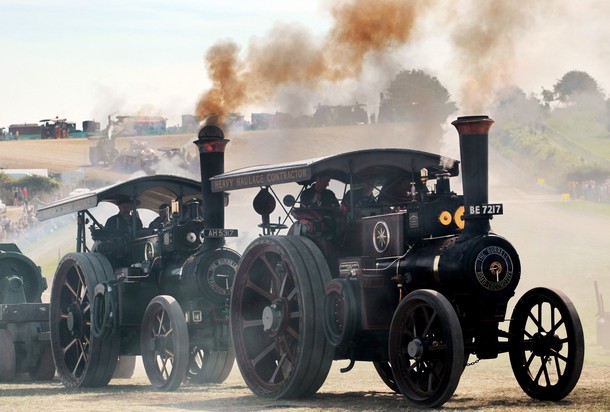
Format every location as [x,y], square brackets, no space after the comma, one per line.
[260,178]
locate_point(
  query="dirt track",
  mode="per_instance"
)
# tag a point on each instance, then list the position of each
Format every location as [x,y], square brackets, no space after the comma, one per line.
[487,386]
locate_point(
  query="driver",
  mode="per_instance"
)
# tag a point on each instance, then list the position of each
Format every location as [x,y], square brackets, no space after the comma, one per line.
[317,195]
[362,196]
[158,222]
[121,222]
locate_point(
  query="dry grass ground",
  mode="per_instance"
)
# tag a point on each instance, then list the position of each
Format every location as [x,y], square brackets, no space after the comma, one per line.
[487,386]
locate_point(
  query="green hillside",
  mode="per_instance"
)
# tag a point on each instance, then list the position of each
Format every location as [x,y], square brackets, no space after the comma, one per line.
[584,128]
[566,145]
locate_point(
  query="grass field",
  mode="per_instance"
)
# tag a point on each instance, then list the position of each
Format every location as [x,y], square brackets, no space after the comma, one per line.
[583,128]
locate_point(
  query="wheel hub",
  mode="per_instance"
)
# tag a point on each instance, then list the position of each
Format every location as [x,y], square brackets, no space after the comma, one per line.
[545,343]
[75,320]
[415,348]
[272,317]
[336,316]
[158,343]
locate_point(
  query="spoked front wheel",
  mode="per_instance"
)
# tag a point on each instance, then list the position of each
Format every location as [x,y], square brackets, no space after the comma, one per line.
[164,343]
[547,344]
[426,348]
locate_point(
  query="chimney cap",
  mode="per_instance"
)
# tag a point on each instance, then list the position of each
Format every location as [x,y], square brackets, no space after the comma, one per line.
[210,132]
[467,125]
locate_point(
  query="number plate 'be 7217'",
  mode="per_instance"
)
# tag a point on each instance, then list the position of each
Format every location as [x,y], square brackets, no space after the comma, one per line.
[489,209]
[219,232]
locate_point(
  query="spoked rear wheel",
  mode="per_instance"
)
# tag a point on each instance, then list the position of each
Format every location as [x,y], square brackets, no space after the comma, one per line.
[277,317]
[547,344]
[210,366]
[164,343]
[82,360]
[426,348]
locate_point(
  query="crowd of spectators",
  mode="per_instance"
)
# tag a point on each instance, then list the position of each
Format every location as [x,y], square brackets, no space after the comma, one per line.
[590,190]
[11,228]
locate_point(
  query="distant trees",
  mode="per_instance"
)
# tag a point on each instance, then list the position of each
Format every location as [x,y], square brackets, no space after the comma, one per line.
[421,100]
[578,89]
[513,106]
[37,185]
[576,83]
[415,96]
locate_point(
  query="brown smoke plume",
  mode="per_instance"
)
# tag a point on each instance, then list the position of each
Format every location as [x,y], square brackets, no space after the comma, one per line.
[291,56]
[484,36]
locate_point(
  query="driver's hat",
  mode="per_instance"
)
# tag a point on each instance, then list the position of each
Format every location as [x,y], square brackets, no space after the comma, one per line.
[122,199]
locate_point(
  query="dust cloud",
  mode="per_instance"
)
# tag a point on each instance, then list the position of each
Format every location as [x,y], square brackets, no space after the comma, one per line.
[485,37]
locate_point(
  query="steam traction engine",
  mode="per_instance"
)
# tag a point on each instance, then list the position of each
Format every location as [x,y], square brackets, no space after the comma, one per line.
[24,320]
[161,293]
[412,279]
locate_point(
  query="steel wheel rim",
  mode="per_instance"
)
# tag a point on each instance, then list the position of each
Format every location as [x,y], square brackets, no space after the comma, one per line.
[426,348]
[277,317]
[426,357]
[548,350]
[164,342]
[272,323]
[74,323]
[81,359]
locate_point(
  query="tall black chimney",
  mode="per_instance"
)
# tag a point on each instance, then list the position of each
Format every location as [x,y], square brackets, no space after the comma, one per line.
[211,143]
[474,137]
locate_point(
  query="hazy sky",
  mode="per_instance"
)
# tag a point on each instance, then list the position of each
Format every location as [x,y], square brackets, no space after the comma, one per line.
[85,60]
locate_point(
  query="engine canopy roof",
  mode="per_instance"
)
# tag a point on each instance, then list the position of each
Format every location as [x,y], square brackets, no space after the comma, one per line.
[367,164]
[149,192]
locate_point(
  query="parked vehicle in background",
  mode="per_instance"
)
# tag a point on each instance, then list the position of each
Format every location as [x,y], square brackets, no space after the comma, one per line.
[138,156]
